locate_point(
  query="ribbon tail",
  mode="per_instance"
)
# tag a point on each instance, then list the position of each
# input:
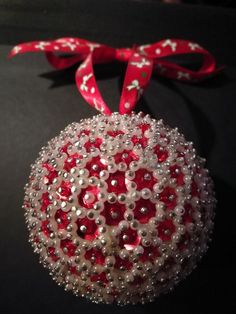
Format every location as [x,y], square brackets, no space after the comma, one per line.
[87,86]
[137,77]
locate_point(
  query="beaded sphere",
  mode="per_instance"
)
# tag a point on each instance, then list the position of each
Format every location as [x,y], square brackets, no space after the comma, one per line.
[119,208]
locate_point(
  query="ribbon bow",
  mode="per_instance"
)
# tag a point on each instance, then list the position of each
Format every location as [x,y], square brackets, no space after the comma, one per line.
[142,62]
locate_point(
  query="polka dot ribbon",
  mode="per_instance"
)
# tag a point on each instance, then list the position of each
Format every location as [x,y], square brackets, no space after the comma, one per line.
[142,62]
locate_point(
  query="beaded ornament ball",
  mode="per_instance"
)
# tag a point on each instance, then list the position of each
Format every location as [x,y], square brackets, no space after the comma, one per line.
[119,208]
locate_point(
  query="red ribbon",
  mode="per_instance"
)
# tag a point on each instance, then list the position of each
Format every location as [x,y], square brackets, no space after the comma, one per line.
[142,62]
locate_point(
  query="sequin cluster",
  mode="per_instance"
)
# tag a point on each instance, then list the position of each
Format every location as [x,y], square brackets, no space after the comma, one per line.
[119,208]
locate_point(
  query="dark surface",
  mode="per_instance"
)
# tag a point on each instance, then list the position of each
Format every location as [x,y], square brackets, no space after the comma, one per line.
[37,102]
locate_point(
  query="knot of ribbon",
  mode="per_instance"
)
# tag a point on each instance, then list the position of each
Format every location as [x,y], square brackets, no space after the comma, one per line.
[142,62]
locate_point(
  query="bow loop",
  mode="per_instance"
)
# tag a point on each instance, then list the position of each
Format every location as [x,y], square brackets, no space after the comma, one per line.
[104,54]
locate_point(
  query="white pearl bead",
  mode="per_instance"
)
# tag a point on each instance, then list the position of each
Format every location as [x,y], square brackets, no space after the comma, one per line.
[145,193]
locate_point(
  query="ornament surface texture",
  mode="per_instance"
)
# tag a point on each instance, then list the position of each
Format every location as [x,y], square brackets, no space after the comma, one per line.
[119,208]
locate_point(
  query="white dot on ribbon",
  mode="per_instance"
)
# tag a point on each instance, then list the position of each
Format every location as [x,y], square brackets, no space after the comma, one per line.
[158,51]
[92,90]
[127,105]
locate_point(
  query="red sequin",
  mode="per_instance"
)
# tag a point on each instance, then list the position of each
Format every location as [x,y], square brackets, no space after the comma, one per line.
[113,213]
[138,281]
[169,197]
[124,263]
[70,161]
[116,182]
[52,174]
[114,293]
[64,149]
[91,231]
[144,179]
[175,172]
[96,143]
[188,214]
[194,189]
[161,153]
[64,222]
[91,192]
[44,226]
[126,156]
[50,177]
[184,242]
[169,263]
[129,239]
[64,191]
[150,254]
[85,132]
[36,239]
[95,256]
[144,210]
[68,244]
[73,270]
[51,252]
[143,140]
[144,127]
[115,133]
[165,229]
[45,201]
[181,154]
[99,277]
[95,165]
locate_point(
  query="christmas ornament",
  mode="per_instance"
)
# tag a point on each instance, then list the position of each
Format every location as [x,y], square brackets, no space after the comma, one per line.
[119,207]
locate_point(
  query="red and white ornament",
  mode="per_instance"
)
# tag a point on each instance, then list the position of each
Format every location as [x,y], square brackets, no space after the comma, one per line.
[119,208]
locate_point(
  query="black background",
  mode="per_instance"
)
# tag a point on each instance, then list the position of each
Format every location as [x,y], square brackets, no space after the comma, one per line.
[36,102]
